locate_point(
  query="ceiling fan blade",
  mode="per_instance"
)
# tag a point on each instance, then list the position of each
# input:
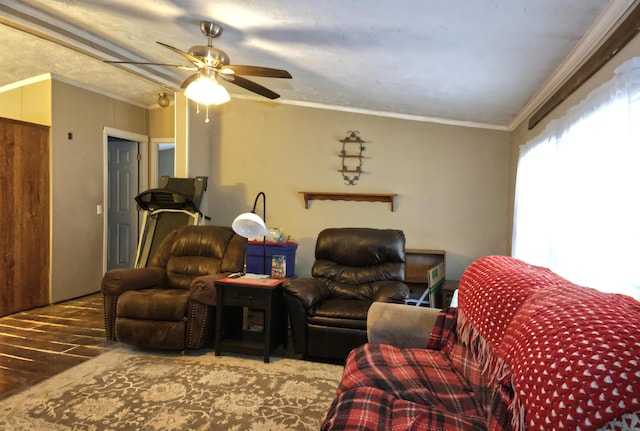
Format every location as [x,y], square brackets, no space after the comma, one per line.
[178,66]
[256,71]
[189,80]
[195,60]
[250,85]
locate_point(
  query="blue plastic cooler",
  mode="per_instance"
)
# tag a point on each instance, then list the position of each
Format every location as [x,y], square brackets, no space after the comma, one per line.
[286,249]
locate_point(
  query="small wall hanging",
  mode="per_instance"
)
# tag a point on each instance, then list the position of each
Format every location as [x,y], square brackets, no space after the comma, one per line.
[351,154]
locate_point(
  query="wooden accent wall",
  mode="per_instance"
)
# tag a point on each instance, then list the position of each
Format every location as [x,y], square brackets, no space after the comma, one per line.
[24,216]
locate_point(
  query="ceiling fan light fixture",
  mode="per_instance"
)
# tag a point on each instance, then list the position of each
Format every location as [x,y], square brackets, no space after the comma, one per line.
[206,91]
[163,100]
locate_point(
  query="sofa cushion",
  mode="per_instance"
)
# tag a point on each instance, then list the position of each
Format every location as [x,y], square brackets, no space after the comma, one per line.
[359,255]
[338,308]
[370,408]
[418,376]
[151,333]
[194,251]
[492,396]
[154,304]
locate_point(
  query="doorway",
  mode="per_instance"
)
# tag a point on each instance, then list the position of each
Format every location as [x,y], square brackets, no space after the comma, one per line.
[125,178]
[162,160]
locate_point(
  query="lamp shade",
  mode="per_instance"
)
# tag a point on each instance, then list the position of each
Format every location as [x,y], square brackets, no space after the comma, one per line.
[249,225]
[207,91]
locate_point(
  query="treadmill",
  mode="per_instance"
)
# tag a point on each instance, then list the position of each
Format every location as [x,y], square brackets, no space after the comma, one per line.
[176,203]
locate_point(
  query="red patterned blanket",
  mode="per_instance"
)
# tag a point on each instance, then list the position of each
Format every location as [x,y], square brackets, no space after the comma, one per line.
[574,355]
[492,289]
[526,350]
[570,353]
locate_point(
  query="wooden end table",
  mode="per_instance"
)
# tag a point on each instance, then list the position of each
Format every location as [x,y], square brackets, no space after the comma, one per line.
[263,294]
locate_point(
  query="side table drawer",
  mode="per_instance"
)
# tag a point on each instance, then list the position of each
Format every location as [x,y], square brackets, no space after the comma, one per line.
[241,296]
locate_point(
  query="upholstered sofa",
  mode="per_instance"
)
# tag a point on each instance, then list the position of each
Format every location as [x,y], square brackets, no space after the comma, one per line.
[525,349]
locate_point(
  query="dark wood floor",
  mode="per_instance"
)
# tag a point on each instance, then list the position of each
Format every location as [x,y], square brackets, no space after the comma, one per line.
[39,343]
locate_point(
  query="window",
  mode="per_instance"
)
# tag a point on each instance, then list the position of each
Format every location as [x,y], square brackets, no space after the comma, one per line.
[577,203]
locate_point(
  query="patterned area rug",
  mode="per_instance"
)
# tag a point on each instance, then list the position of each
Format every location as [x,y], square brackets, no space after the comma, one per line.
[127,389]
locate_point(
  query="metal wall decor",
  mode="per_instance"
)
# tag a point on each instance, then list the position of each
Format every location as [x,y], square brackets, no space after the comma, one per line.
[351,154]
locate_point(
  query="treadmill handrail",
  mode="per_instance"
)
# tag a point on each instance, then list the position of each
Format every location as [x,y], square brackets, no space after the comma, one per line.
[154,199]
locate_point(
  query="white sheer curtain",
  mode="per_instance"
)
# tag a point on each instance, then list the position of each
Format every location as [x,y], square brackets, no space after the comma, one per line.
[577,203]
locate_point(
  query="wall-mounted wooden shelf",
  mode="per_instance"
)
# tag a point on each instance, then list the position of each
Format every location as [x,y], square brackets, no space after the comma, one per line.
[355,197]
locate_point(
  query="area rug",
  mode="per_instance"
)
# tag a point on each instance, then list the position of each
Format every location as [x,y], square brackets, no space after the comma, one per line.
[128,389]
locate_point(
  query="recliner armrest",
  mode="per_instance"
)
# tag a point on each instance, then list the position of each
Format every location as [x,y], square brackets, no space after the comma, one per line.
[118,281]
[203,288]
[390,291]
[308,290]
[400,325]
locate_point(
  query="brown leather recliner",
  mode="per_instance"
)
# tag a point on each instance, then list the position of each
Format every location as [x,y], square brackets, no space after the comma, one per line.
[170,304]
[354,267]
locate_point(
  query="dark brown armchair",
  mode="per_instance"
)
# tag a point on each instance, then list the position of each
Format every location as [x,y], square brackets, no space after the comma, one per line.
[170,304]
[354,267]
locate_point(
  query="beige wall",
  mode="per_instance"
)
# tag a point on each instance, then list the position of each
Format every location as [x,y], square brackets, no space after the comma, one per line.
[452,182]
[161,121]
[199,159]
[77,172]
[521,135]
[77,183]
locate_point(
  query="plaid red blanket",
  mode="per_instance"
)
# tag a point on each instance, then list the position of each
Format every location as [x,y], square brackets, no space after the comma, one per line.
[527,350]
[372,409]
[387,388]
[444,336]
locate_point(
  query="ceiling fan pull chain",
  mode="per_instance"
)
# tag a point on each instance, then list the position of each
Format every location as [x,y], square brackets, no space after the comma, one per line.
[207,111]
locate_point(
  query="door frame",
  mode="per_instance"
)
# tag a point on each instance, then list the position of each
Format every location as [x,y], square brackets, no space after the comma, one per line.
[143,176]
[154,146]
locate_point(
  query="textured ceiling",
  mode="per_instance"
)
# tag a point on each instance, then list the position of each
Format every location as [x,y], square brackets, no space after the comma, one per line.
[474,61]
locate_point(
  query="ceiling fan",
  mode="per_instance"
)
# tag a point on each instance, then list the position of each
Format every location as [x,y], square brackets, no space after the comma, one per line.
[210,62]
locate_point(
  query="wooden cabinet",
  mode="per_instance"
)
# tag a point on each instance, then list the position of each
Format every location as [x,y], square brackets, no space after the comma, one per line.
[448,288]
[418,261]
[24,216]
[417,264]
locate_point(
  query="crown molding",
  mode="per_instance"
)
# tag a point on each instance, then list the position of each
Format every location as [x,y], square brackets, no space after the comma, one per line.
[385,114]
[607,21]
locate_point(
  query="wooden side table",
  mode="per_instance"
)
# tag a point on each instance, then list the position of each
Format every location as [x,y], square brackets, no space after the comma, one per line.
[255,294]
